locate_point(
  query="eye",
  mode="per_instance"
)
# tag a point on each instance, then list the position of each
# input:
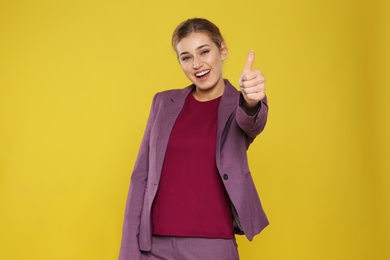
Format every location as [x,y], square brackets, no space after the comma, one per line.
[185,58]
[204,52]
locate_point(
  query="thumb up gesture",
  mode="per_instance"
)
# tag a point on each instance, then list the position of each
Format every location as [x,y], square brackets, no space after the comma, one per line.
[252,82]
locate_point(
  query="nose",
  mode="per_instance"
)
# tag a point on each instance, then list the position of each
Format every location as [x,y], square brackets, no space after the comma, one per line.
[197,64]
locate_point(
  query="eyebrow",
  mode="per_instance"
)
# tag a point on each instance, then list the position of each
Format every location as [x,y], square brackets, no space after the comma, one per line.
[198,48]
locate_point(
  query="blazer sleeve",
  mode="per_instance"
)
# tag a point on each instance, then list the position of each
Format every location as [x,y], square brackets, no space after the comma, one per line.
[130,246]
[252,125]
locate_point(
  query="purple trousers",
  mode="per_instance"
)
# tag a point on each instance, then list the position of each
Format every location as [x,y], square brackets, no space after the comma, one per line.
[191,248]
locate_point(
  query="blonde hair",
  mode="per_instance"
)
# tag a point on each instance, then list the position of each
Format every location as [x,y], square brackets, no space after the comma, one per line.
[197,25]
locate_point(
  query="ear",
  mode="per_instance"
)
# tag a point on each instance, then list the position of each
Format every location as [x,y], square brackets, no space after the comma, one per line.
[223,51]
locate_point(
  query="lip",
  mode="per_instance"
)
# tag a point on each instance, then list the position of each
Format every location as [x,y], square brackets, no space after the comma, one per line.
[205,76]
[202,73]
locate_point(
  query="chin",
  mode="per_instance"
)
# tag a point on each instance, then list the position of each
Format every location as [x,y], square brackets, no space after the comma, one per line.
[204,87]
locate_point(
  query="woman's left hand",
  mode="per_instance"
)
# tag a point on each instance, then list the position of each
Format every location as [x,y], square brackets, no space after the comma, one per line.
[252,83]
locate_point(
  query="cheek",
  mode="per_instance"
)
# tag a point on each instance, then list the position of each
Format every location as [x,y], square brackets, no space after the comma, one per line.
[216,61]
[185,67]
[218,64]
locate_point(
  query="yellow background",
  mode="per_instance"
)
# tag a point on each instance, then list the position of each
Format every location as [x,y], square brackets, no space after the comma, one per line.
[76,83]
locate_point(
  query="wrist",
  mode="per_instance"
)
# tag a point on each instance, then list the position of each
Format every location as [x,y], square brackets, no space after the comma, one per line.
[250,107]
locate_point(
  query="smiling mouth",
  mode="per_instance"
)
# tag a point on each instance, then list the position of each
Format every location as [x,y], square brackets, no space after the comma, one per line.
[202,73]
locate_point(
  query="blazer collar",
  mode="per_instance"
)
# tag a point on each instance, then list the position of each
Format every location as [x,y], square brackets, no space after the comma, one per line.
[229,95]
[226,107]
[228,104]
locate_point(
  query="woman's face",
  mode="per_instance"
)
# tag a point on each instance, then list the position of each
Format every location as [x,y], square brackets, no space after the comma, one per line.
[201,60]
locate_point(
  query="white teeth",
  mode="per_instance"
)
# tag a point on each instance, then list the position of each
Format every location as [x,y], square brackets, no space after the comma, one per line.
[200,74]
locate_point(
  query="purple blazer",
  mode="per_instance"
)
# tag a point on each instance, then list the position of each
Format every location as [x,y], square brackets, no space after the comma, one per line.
[235,132]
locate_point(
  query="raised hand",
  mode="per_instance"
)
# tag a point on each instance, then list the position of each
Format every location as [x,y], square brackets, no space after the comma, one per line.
[252,82]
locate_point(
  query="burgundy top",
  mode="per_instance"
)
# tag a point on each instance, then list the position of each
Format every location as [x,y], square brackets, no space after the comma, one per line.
[191,199]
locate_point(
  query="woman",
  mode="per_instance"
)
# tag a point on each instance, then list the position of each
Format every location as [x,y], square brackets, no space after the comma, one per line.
[191,189]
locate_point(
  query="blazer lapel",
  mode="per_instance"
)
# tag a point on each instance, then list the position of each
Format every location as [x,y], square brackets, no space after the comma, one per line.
[172,110]
[174,105]
[227,106]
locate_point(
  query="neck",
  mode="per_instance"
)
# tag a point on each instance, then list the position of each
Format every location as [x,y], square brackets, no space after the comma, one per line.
[206,95]
[209,94]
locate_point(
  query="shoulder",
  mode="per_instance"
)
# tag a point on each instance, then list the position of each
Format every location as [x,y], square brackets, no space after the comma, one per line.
[231,90]
[168,93]
[172,94]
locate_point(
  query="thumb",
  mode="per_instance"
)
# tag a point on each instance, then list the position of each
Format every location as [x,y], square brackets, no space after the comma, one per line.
[249,62]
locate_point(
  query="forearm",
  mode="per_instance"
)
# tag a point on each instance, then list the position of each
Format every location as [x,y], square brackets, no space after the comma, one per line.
[252,119]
